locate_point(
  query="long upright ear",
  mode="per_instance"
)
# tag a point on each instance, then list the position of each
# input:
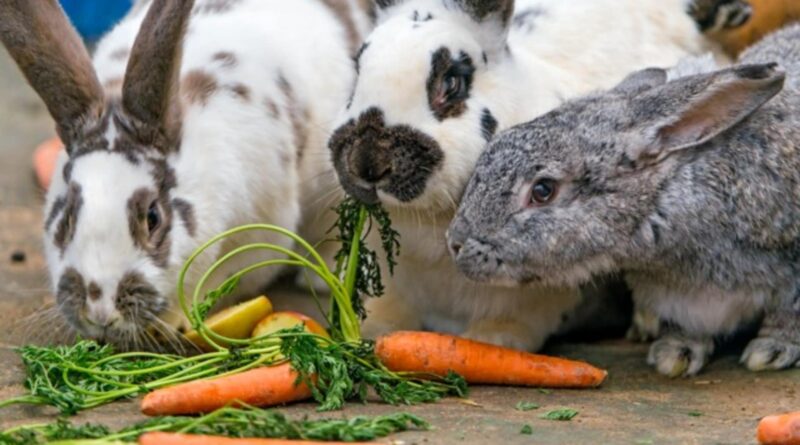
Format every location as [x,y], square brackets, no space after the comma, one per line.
[691,111]
[52,57]
[494,20]
[149,92]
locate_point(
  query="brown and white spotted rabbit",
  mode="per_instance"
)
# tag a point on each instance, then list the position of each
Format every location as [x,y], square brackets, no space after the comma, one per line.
[194,118]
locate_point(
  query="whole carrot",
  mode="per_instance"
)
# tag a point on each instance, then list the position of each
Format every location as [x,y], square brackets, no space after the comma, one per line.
[267,386]
[477,362]
[191,439]
[783,429]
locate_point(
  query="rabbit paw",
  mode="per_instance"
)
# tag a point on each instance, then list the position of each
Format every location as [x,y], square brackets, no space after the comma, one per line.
[768,353]
[509,334]
[678,356]
[646,327]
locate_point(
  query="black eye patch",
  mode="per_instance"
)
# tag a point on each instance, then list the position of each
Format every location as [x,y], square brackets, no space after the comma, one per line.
[449,83]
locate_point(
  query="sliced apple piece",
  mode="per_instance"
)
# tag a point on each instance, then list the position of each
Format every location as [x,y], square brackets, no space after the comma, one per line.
[234,322]
[284,320]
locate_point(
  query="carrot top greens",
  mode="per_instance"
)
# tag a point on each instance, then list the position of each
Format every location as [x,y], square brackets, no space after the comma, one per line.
[231,422]
[86,374]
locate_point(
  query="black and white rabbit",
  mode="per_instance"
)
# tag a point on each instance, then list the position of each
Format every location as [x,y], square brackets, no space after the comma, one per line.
[436,80]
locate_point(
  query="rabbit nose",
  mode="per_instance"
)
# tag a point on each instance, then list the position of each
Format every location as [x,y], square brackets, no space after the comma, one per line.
[371,165]
[374,173]
[94,291]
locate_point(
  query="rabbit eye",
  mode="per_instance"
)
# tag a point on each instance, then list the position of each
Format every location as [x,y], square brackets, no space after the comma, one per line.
[543,191]
[153,217]
[454,86]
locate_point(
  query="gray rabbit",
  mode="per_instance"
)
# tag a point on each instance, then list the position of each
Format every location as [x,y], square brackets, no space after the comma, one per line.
[690,186]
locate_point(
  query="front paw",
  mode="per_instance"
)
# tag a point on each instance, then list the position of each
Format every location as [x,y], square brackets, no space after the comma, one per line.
[506,333]
[767,353]
[678,356]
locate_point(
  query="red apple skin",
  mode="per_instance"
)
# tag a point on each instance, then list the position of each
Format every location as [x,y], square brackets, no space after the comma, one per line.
[287,319]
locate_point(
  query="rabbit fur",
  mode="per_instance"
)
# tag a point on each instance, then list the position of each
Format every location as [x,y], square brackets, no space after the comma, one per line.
[172,140]
[436,80]
[689,186]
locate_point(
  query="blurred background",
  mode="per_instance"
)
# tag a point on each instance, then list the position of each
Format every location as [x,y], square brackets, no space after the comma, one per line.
[93,18]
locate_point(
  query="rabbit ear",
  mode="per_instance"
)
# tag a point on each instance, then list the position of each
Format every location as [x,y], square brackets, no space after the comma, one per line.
[696,109]
[149,92]
[641,81]
[52,57]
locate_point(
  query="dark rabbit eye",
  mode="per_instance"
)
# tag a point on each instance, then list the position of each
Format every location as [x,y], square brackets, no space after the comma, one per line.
[543,191]
[153,217]
[453,86]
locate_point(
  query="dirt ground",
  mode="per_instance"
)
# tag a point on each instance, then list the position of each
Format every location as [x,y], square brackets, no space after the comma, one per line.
[636,406]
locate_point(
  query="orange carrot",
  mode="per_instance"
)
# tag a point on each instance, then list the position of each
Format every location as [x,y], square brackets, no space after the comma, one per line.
[45,158]
[267,386]
[190,439]
[783,429]
[481,362]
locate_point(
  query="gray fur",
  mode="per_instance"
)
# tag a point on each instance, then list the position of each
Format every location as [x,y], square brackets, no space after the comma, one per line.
[691,187]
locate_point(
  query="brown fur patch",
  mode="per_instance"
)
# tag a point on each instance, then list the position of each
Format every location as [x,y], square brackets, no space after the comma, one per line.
[157,243]
[94,291]
[54,60]
[71,294]
[225,58]
[198,86]
[272,108]
[137,299]
[186,212]
[241,90]
[120,54]
[65,230]
[344,14]
[298,115]
[55,210]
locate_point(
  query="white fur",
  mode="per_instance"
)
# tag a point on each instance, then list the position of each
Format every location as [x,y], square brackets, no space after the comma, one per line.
[229,165]
[576,46]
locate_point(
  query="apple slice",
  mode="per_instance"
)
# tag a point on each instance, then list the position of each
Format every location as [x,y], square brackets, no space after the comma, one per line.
[284,320]
[234,322]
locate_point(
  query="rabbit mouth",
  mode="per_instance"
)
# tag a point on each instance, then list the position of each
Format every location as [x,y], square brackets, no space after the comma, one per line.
[362,191]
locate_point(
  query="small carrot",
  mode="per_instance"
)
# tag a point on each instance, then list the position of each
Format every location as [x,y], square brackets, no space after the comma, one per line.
[267,386]
[783,429]
[45,158]
[428,352]
[191,439]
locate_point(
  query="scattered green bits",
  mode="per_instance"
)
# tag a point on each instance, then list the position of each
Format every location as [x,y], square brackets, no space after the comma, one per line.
[545,391]
[694,413]
[559,414]
[526,406]
[526,429]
